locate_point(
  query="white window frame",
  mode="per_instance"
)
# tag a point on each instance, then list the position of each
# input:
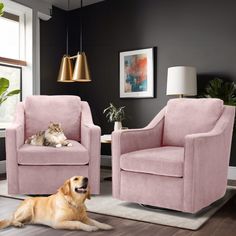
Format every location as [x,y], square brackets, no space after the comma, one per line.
[33,10]
[26,42]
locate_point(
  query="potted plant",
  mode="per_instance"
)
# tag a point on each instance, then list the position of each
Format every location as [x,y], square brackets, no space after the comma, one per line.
[226,91]
[1,8]
[4,94]
[116,115]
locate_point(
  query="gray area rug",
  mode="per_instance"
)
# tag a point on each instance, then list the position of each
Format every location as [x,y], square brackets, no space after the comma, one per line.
[105,204]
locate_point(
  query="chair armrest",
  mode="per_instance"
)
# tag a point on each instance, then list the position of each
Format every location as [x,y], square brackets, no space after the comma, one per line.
[90,134]
[14,140]
[15,133]
[124,141]
[91,140]
[137,139]
[206,163]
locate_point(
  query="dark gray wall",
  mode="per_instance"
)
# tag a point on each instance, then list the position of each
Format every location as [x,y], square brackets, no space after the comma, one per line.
[186,32]
[52,49]
[2,149]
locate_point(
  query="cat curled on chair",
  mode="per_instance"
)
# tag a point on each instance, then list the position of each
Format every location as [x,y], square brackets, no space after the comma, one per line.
[53,136]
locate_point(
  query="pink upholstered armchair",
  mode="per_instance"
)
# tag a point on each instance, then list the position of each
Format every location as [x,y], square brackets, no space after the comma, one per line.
[180,160]
[40,169]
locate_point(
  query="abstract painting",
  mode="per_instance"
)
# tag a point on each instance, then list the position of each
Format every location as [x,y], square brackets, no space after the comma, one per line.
[136,73]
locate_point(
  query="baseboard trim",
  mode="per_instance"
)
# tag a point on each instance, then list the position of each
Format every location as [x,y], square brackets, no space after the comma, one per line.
[2,167]
[232,173]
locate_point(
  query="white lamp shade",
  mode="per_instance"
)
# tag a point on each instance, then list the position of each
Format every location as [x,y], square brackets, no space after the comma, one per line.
[181,80]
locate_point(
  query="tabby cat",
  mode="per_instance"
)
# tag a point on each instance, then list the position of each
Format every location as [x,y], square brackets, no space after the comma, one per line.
[53,136]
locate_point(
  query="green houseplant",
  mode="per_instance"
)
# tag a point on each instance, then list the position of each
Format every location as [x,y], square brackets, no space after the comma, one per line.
[4,93]
[217,88]
[116,115]
[1,8]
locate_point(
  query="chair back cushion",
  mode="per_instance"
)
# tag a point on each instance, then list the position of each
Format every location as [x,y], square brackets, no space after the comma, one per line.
[188,116]
[41,110]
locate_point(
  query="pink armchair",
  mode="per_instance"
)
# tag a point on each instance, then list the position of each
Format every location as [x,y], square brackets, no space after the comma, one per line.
[40,169]
[180,160]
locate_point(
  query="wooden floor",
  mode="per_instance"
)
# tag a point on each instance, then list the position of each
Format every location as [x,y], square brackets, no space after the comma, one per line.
[223,223]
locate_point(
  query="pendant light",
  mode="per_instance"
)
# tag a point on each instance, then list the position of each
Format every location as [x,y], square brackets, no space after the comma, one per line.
[81,71]
[66,69]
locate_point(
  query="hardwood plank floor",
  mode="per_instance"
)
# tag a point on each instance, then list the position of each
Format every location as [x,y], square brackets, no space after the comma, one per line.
[222,223]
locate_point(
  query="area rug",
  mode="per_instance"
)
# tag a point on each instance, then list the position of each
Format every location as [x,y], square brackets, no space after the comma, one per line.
[106,205]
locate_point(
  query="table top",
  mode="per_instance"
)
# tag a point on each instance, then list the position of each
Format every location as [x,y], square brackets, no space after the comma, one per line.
[3,126]
[106,138]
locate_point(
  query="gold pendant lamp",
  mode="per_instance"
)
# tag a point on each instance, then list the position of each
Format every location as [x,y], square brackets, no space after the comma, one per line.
[66,71]
[66,68]
[81,71]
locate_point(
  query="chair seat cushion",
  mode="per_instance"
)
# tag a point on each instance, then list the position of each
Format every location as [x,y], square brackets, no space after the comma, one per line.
[43,155]
[167,161]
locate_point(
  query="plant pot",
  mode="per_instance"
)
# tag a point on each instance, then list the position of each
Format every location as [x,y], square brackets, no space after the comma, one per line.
[117,125]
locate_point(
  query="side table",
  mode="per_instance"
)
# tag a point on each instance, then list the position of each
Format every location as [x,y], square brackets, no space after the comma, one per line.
[106,138]
[3,126]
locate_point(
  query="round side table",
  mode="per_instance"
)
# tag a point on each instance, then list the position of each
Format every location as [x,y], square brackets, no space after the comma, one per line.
[106,138]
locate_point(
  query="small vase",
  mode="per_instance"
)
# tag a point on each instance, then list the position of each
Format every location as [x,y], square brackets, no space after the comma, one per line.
[117,125]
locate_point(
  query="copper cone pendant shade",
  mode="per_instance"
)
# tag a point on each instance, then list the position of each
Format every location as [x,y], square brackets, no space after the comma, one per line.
[81,71]
[66,70]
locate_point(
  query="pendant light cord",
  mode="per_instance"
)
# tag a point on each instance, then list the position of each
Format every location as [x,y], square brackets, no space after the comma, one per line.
[81,26]
[67,30]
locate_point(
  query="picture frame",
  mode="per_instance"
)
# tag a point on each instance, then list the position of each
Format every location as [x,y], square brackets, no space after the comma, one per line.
[137,73]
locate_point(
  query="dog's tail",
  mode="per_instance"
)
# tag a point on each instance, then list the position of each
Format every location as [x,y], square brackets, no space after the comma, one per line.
[5,223]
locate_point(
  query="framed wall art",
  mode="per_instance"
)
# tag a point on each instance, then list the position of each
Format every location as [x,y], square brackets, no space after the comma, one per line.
[137,73]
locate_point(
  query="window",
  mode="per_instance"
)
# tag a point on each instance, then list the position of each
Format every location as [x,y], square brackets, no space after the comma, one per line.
[16,33]
[14,74]
[19,41]
[10,41]
[13,40]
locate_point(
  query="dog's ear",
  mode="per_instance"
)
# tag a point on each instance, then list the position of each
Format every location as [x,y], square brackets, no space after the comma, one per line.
[88,196]
[65,189]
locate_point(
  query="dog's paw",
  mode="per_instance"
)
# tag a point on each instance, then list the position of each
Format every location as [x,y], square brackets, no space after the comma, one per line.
[69,145]
[90,228]
[58,145]
[18,224]
[105,227]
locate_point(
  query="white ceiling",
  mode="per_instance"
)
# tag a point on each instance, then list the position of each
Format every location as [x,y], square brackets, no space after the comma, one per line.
[63,4]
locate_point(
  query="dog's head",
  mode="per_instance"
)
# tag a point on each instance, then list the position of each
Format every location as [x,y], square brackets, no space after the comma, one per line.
[76,188]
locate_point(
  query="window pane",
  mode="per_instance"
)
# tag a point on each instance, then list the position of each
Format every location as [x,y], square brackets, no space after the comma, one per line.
[7,108]
[10,38]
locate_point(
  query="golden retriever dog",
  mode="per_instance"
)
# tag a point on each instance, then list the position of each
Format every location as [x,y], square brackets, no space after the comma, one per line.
[63,210]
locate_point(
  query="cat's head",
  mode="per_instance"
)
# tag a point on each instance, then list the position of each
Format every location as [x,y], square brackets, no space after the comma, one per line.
[55,127]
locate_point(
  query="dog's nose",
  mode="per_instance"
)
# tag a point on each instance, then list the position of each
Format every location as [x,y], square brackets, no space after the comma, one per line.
[85,180]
